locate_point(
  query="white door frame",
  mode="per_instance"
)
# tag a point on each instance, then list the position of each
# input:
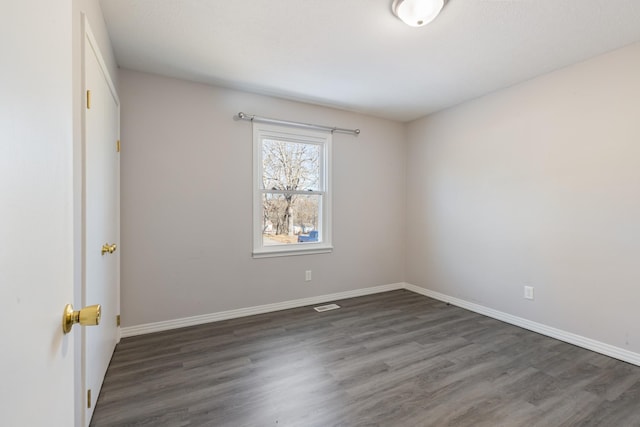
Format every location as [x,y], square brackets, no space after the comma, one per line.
[89,42]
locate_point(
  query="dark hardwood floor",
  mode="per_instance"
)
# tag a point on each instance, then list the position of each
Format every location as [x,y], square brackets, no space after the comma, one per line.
[391,359]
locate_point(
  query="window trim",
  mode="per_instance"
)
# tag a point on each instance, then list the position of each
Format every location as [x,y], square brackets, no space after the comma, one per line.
[263,131]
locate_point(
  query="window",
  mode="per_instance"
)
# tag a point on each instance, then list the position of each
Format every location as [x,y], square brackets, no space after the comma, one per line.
[291,190]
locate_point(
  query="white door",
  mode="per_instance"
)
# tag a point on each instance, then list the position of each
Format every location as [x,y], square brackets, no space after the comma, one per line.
[36,214]
[101,279]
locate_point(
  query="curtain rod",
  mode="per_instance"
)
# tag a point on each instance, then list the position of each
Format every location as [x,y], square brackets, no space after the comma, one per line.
[251,117]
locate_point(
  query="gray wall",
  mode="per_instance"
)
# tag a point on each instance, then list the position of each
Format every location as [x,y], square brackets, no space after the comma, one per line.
[186,169]
[540,185]
[534,185]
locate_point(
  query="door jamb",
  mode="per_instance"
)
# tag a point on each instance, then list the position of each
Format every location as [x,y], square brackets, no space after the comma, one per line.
[88,41]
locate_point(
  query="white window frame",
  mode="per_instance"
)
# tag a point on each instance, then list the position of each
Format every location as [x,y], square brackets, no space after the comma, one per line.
[262,131]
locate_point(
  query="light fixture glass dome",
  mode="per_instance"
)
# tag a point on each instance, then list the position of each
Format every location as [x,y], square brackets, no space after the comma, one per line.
[417,13]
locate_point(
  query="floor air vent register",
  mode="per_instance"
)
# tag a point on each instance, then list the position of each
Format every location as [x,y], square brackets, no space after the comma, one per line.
[327,307]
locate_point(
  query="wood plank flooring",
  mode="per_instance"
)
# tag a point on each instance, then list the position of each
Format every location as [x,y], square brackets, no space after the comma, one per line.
[390,359]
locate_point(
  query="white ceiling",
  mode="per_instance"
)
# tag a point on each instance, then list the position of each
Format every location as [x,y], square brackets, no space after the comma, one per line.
[356,55]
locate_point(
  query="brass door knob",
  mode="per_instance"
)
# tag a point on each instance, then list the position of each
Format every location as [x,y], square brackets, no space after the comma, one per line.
[88,316]
[107,248]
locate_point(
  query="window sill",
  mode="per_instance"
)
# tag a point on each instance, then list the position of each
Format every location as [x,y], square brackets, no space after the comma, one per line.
[285,251]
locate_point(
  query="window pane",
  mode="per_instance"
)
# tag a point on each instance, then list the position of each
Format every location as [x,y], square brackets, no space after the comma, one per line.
[290,166]
[290,219]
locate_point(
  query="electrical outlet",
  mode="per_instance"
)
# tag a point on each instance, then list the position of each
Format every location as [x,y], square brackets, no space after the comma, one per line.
[307,276]
[528,292]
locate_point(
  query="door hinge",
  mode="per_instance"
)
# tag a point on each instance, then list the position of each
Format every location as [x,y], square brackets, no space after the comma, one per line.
[118,320]
[118,146]
[88,99]
[89,398]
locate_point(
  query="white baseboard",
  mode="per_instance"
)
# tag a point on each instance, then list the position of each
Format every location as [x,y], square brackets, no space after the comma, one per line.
[580,341]
[148,328]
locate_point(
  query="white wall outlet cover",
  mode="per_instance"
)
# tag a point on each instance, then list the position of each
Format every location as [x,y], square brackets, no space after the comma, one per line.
[528,292]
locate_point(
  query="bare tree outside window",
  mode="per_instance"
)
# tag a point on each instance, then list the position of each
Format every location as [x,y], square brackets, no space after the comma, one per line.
[291,191]
[288,170]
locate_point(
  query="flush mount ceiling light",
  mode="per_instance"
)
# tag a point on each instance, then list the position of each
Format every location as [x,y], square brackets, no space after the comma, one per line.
[417,13]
